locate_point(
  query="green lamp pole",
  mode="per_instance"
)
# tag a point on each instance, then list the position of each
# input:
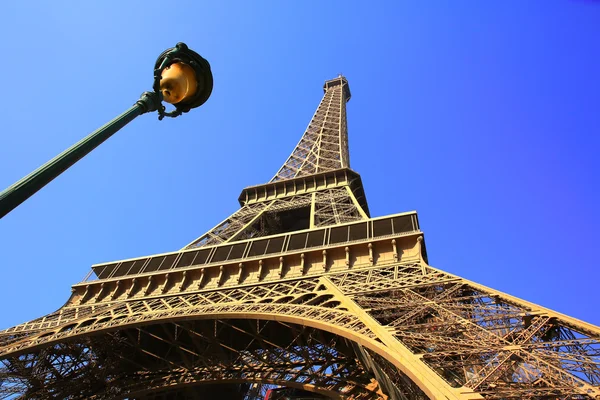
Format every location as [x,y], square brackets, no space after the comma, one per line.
[181,77]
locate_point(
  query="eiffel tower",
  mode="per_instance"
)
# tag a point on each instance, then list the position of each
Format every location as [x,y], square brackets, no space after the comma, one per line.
[301,288]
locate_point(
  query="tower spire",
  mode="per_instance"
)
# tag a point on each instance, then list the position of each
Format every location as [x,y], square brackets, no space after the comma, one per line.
[324,145]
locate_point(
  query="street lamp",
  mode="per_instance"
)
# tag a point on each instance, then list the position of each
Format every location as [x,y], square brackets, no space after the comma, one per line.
[181,77]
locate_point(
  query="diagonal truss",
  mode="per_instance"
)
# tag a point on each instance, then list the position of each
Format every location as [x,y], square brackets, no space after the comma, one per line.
[322,208]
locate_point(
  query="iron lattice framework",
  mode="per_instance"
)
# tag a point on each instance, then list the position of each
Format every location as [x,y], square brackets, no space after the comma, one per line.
[299,288]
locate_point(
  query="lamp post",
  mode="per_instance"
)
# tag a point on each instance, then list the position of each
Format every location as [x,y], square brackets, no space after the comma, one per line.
[181,77]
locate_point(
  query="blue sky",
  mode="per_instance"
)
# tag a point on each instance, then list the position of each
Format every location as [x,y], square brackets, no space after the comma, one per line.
[482,116]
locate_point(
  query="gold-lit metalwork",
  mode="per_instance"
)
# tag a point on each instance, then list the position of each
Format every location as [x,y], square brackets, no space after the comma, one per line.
[301,288]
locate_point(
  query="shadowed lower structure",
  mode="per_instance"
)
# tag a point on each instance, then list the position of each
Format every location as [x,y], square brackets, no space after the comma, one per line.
[299,288]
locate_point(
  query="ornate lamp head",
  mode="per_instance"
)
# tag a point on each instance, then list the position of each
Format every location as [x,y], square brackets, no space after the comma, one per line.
[183,78]
[178,83]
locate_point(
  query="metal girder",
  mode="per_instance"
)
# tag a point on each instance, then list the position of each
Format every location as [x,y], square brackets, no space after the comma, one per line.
[327,206]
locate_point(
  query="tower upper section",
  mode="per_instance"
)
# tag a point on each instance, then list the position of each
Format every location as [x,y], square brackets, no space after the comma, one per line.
[314,188]
[324,145]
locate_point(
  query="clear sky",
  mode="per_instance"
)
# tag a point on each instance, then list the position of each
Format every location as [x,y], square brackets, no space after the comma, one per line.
[483,116]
